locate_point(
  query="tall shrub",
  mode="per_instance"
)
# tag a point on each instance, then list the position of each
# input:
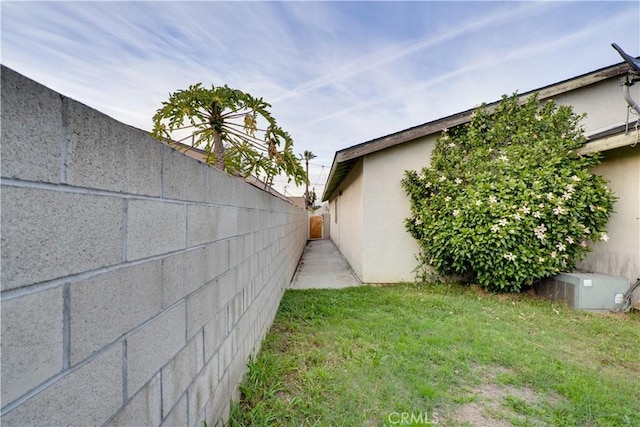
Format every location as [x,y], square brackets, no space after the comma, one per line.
[506,199]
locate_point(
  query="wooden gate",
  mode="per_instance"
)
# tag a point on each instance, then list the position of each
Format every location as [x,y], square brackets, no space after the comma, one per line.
[315,226]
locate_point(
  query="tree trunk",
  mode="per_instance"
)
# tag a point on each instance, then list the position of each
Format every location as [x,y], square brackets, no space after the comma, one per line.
[218,150]
[216,123]
[306,185]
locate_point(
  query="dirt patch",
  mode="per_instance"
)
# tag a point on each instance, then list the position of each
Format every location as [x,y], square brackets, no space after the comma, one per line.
[490,402]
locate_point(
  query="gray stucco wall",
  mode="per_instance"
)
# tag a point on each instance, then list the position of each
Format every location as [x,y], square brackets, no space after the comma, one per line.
[136,281]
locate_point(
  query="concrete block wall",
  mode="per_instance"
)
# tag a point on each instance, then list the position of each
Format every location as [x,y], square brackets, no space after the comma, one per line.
[136,281]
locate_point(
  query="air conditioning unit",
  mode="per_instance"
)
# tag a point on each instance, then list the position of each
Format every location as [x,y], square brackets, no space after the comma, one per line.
[585,291]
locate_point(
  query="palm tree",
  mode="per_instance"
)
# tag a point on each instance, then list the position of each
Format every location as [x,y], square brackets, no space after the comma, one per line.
[307,155]
[224,123]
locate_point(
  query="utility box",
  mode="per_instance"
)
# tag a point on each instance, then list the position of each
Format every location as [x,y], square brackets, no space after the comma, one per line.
[585,291]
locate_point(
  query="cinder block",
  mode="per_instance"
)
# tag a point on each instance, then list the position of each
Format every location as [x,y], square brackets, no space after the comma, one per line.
[201,307]
[31,130]
[155,228]
[178,414]
[236,309]
[107,306]
[245,221]
[32,341]
[215,332]
[225,354]
[152,346]
[183,178]
[183,274]
[216,259]
[180,372]
[228,222]
[227,287]
[89,395]
[51,234]
[108,155]
[199,392]
[202,224]
[236,251]
[143,409]
[249,245]
[237,368]
[218,407]
[219,187]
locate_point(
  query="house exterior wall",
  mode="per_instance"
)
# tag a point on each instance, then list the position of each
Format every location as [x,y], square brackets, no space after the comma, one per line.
[603,102]
[620,256]
[389,251]
[136,281]
[347,219]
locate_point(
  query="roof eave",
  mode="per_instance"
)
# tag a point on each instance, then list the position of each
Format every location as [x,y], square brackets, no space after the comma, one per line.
[337,174]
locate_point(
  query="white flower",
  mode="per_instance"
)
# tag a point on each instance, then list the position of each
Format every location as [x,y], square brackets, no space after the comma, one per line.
[561,247]
[452,145]
[559,210]
[503,158]
[447,199]
[586,230]
[538,117]
[583,243]
[592,208]
[428,185]
[540,260]
[539,231]
[604,237]
[478,202]
[566,195]
[495,228]
[570,240]
[509,256]
[443,178]
[492,199]
[458,181]
[536,214]
[550,196]
[418,221]
[490,150]
[503,222]
[554,254]
[575,178]
[525,210]
[517,217]
[541,205]
[456,212]
[571,188]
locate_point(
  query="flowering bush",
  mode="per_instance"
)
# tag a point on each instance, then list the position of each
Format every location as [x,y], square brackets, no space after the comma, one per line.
[506,200]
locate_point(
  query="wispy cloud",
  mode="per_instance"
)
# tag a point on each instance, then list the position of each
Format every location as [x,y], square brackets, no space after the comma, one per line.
[336,73]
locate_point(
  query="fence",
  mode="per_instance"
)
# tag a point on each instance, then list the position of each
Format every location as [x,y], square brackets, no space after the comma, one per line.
[136,281]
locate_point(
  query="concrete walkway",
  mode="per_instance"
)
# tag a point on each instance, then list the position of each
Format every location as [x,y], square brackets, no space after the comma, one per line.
[322,266]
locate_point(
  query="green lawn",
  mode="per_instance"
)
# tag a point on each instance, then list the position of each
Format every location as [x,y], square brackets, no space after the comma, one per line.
[447,355]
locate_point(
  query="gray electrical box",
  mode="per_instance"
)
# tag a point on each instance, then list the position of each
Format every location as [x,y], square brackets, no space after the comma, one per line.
[585,291]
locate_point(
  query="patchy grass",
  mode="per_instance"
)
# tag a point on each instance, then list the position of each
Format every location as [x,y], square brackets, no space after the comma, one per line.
[407,355]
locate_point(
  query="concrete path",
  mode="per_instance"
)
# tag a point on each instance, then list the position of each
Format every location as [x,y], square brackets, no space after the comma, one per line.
[323,267]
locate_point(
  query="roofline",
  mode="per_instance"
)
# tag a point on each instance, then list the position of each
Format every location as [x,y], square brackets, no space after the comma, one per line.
[349,155]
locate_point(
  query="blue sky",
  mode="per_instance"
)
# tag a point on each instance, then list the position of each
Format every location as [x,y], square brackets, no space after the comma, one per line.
[336,73]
